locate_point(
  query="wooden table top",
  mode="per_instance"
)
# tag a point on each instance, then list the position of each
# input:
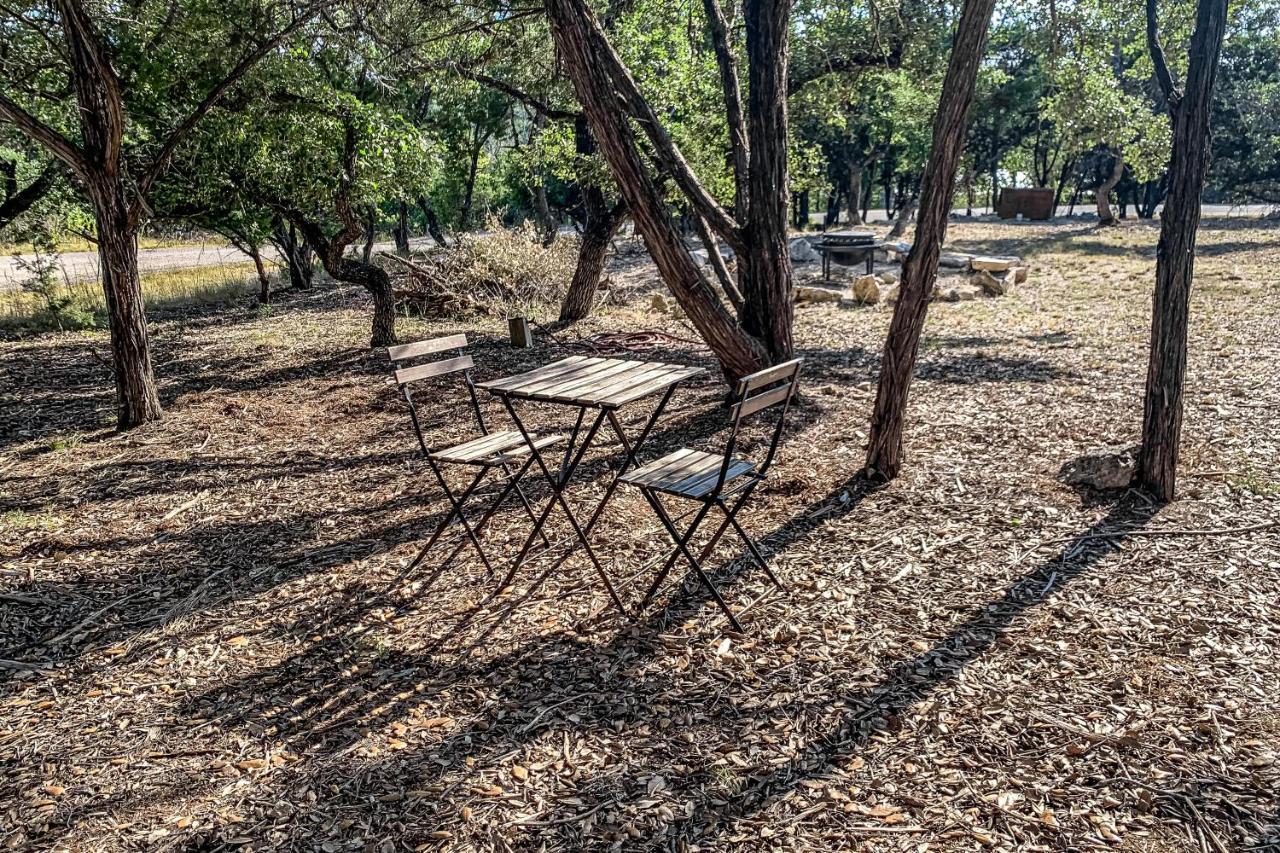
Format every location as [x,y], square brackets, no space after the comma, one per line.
[585,381]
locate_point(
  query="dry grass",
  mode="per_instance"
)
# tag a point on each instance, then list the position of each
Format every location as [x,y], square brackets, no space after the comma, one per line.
[212,642]
[22,312]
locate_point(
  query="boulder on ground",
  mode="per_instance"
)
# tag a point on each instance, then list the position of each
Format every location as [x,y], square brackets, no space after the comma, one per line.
[1106,468]
[989,283]
[867,290]
[954,261]
[1020,275]
[993,264]
[809,293]
[659,304]
[802,251]
[889,277]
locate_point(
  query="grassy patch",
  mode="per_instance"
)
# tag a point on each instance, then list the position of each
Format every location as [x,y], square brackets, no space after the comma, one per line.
[26,313]
[20,521]
[1255,483]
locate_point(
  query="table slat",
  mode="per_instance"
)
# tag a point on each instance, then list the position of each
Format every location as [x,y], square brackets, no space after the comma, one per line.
[510,383]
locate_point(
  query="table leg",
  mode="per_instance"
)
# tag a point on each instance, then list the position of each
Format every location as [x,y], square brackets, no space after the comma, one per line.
[558,485]
[631,451]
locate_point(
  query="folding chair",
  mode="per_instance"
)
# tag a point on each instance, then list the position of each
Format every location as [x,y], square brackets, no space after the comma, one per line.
[488,452]
[719,480]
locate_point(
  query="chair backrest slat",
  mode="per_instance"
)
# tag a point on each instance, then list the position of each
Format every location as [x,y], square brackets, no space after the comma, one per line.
[770,374]
[406,375]
[751,405]
[420,348]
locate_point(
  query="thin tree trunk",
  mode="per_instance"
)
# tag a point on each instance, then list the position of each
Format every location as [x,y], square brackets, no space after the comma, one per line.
[1175,258]
[1103,193]
[264,281]
[138,401]
[919,272]
[602,223]
[855,192]
[370,233]
[464,217]
[401,232]
[903,220]
[433,221]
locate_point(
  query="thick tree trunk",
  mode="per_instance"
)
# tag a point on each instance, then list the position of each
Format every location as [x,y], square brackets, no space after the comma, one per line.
[1103,194]
[374,279]
[1175,258]
[920,271]
[137,399]
[584,52]
[401,231]
[433,222]
[832,217]
[764,265]
[464,216]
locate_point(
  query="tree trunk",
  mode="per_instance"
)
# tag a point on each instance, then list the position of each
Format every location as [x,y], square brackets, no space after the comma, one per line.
[1103,193]
[370,233]
[464,216]
[1062,185]
[903,220]
[1175,258]
[600,224]
[867,188]
[919,272]
[764,266]
[137,399]
[585,53]
[264,281]
[433,221]
[374,279]
[855,193]
[401,232]
[832,217]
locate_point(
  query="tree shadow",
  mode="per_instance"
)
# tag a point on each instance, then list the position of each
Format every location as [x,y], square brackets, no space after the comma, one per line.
[977,368]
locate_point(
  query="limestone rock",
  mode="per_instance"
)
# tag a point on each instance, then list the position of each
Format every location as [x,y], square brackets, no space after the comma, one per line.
[993,264]
[867,290]
[808,293]
[954,261]
[802,251]
[658,303]
[1020,275]
[989,283]
[1106,468]
[889,277]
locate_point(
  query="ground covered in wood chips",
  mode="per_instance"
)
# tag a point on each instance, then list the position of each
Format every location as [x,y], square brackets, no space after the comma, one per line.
[210,640]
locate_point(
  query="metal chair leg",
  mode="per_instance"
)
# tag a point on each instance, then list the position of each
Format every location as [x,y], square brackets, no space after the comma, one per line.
[683,546]
[454,511]
[751,545]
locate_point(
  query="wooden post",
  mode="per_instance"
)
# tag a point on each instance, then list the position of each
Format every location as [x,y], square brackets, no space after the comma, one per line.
[521,337]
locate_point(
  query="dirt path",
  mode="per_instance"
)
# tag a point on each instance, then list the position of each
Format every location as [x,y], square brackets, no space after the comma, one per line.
[83,266]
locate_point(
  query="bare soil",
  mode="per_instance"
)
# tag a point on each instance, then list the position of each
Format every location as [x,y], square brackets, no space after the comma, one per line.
[209,639]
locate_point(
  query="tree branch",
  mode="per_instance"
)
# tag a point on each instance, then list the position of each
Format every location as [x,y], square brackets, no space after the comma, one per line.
[15,201]
[57,144]
[1172,94]
[533,103]
[712,247]
[665,149]
[175,137]
[845,62]
[732,104]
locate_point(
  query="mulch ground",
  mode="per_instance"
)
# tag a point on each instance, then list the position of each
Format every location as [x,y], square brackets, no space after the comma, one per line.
[211,640]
